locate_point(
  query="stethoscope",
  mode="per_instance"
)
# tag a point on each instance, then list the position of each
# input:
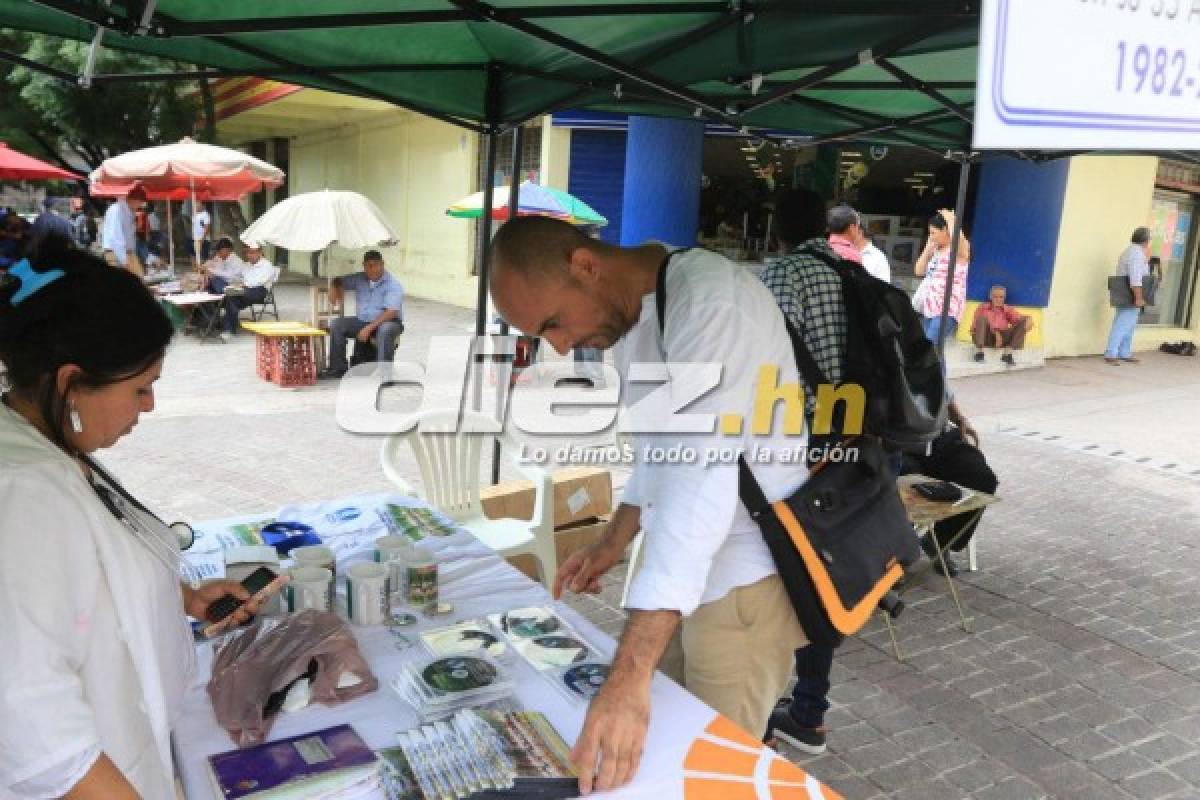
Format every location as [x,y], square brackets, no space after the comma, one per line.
[184,532]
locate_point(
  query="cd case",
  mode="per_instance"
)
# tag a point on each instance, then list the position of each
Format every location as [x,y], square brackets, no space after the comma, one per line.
[439,686]
[473,636]
[543,638]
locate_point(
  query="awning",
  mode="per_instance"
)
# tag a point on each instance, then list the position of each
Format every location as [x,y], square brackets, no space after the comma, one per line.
[888,71]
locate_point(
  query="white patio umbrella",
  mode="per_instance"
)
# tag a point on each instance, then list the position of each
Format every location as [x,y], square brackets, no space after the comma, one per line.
[315,220]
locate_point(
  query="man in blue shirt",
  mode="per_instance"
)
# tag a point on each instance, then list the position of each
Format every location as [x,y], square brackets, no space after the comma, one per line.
[378,302]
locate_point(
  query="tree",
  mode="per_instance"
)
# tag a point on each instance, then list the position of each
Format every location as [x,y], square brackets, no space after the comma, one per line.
[65,120]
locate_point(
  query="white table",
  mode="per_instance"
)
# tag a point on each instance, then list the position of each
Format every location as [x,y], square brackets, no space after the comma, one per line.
[477,582]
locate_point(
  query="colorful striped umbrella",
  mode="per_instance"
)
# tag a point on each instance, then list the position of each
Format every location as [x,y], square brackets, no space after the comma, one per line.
[536,200]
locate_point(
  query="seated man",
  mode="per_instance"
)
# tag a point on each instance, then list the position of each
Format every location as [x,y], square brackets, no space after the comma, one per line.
[257,274]
[223,269]
[954,456]
[379,301]
[999,325]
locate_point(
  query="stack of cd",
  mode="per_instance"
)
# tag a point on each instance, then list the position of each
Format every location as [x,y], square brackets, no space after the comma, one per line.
[438,687]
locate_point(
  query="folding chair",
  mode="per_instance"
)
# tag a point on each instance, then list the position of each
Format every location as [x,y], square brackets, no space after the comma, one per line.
[449,453]
[259,310]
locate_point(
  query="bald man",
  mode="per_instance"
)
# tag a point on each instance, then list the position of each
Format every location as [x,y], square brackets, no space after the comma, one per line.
[705,562]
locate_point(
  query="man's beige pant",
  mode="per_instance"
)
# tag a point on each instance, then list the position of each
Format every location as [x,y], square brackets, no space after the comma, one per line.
[739,652]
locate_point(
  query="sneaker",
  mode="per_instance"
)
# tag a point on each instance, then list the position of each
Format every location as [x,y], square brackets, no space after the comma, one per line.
[1112,362]
[226,337]
[781,727]
[1131,360]
[1007,358]
[979,356]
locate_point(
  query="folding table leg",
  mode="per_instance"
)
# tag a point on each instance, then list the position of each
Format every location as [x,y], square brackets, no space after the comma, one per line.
[972,559]
[891,629]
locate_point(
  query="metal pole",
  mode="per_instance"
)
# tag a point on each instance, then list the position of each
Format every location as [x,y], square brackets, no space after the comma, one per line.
[514,204]
[170,237]
[959,207]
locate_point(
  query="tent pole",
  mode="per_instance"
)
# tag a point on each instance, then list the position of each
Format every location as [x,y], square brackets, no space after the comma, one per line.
[170,237]
[514,203]
[959,208]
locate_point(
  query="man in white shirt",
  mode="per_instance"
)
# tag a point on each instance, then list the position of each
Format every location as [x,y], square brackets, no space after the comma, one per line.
[118,236]
[256,278]
[875,262]
[223,269]
[201,221]
[705,561]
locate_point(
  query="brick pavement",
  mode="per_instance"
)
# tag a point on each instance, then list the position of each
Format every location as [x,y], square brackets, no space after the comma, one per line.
[1082,679]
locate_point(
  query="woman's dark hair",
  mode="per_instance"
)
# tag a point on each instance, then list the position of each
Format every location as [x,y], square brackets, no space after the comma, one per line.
[98,317]
[1140,236]
[938,222]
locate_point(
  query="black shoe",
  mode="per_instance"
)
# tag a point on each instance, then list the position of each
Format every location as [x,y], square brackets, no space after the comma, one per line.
[979,356]
[783,728]
[951,567]
[1007,358]
[330,374]
[927,544]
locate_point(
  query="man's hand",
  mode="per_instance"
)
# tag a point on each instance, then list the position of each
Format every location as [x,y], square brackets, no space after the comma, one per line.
[581,572]
[609,748]
[365,334]
[196,601]
[969,434]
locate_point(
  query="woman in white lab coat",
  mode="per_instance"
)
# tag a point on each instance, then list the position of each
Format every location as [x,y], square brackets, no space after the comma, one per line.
[95,648]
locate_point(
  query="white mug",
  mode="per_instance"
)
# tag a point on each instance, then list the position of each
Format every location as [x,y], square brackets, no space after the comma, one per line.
[366,593]
[393,552]
[310,587]
[315,555]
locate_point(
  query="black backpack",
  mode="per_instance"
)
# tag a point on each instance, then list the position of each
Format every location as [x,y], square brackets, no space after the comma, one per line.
[889,356]
[839,542]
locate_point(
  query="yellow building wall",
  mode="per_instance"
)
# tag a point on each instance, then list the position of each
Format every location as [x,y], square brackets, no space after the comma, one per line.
[1106,198]
[412,167]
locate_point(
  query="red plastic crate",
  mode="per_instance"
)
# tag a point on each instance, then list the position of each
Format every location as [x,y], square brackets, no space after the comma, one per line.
[286,360]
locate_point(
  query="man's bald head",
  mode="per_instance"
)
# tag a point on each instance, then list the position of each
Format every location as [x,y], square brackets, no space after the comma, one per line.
[536,248]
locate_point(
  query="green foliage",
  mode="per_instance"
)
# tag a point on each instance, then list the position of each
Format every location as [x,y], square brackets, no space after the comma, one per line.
[46,114]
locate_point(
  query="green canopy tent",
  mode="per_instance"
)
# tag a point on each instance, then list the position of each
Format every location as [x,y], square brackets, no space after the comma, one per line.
[885,71]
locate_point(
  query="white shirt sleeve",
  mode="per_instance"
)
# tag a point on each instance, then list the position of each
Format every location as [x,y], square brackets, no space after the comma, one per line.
[113,233]
[258,274]
[688,509]
[46,722]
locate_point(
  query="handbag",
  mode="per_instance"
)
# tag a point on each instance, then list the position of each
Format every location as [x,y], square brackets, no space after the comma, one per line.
[840,542]
[918,297]
[1120,295]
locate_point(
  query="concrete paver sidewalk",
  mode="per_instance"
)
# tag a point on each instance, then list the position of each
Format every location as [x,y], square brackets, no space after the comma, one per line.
[1082,679]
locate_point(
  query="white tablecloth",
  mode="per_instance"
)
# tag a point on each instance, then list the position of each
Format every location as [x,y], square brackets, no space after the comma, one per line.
[478,582]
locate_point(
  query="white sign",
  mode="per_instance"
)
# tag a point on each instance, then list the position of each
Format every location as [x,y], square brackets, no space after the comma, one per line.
[1094,74]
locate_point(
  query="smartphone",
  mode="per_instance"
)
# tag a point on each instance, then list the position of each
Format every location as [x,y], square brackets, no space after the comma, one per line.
[261,584]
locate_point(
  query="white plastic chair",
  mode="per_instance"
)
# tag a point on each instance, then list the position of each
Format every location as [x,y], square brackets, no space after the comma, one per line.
[449,453]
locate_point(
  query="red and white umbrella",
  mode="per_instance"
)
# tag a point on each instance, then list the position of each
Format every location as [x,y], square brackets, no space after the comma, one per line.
[190,165]
[200,171]
[16,166]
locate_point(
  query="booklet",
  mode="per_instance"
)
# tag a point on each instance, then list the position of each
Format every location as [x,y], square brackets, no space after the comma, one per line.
[311,765]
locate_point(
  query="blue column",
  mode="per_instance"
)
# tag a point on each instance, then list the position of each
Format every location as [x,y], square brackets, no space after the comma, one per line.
[663,160]
[1015,236]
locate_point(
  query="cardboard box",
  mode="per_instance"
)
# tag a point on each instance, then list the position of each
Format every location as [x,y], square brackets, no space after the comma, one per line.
[567,540]
[580,493]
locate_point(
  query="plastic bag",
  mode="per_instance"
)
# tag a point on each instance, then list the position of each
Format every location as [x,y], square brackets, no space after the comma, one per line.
[253,671]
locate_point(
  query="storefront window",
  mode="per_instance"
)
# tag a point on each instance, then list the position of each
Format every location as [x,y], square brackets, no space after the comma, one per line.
[1173,242]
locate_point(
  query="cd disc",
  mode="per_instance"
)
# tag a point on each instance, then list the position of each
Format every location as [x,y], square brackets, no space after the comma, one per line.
[530,624]
[585,680]
[562,645]
[459,674]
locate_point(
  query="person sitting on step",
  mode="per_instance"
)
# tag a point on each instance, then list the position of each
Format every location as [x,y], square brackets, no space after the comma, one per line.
[999,325]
